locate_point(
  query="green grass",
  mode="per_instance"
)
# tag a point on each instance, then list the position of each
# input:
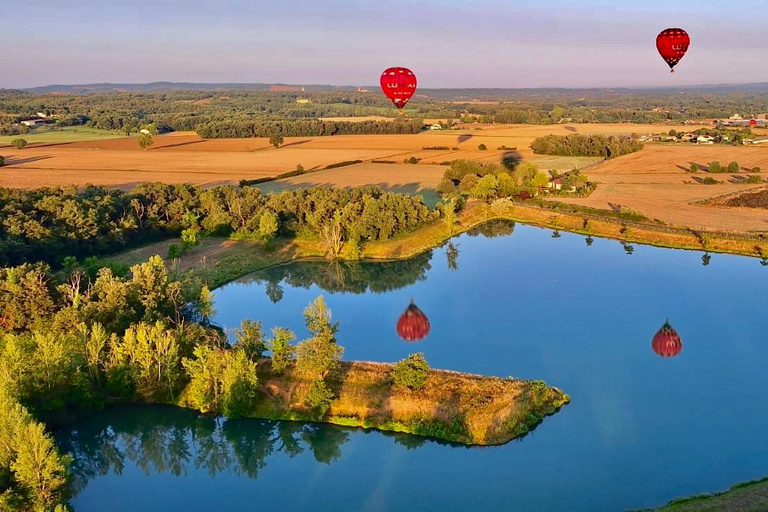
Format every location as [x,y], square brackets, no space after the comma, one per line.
[565,163]
[745,497]
[66,134]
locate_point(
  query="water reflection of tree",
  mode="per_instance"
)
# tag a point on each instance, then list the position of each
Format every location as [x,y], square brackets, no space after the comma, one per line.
[452,255]
[344,276]
[162,440]
[493,229]
[364,276]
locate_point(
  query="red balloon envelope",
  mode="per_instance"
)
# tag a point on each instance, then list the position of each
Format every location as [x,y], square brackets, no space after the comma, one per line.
[672,44]
[667,342]
[413,324]
[399,85]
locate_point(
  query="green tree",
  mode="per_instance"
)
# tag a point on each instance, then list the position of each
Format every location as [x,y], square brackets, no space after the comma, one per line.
[190,237]
[694,168]
[145,141]
[205,303]
[281,349]
[19,143]
[411,372]
[268,225]
[250,339]
[486,187]
[445,187]
[276,140]
[733,167]
[150,354]
[2,160]
[206,376]
[540,180]
[482,147]
[468,182]
[319,397]
[449,214]
[240,384]
[524,173]
[716,167]
[319,354]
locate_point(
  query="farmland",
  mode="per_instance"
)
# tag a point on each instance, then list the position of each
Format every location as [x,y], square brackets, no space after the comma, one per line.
[655,181]
[183,157]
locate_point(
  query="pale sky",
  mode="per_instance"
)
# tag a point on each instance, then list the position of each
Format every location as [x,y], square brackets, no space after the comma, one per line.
[447,43]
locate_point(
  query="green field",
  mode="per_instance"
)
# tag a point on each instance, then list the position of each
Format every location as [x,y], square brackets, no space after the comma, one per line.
[564,163]
[66,134]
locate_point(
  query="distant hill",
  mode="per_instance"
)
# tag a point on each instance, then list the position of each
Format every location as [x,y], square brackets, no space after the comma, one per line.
[177,86]
[448,94]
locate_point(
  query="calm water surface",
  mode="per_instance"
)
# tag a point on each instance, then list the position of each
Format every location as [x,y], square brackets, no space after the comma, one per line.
[640,430]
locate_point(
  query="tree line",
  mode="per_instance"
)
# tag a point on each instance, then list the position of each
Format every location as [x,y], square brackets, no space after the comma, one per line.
[54,223]
[304,128]
[576,144]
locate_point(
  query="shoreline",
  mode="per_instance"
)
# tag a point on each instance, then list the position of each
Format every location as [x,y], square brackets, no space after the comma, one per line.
[463,408]
[219,261]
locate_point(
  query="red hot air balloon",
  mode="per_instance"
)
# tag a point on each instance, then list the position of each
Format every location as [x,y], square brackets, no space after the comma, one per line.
[413,324]
[672,44]
[666,342]
[399,85]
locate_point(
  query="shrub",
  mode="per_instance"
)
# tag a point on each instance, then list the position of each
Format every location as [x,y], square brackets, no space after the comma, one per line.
[411,372]
[276,140]
[412,160]
[343,164]
[716,167]
[694,168]
[145,141]
[755,169]
[435,148]
[2,161]
[299,169]
[319,397]
[19,143]
[174,251]
[482,147]
[468,182]
[733,167]
[710,181]
[445,187]
[754,178]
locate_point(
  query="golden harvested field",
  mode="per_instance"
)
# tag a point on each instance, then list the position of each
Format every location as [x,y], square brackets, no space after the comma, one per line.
[656,182]
[185,158]
[653,181]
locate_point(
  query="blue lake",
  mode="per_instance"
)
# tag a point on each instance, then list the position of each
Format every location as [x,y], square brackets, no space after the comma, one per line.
[640,430]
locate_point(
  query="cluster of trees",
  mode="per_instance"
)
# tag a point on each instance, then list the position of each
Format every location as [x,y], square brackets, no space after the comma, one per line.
[51,224]
[716,167]
[577,144]
[85,343]
[489,181]
[304,128]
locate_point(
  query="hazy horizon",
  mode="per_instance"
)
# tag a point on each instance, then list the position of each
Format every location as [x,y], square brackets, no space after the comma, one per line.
[448,44]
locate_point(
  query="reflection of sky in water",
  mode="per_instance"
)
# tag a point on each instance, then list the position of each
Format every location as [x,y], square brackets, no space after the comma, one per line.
[640,430]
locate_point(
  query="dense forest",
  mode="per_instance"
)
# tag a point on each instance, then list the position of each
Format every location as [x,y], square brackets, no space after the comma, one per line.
[225,111]
[577,144]
[50,225]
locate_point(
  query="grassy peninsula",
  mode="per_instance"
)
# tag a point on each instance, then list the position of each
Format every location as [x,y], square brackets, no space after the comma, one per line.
[452,406]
